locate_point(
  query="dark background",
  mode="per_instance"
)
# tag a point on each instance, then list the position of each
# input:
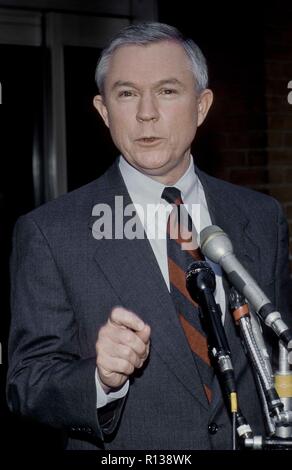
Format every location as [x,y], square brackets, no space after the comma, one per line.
[247,138]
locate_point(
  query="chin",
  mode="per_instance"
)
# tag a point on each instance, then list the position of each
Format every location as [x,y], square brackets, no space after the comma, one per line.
[151,162]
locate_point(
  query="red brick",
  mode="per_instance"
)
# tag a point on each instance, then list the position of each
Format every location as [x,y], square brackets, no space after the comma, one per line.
[238,140]
[282,193]
[288,139]
[277,87]
[287,70]
[288,175]
[275,139]
[249,177]
[231,158]
[273,69]
[288,211]
[223,174]
[257,157]
[278,52]
[257,139]
[234,123]
[280,157]
[277,175]
[277,104]
[281,122]
[221,140]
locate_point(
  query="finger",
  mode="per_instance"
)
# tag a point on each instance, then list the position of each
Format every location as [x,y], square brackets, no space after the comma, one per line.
[133,340]
[122,317]
[145,355]
[116,365]
[144,334]
[124,351]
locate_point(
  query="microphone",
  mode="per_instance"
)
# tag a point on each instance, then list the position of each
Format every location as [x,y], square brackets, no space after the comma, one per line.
[216,245]
[200,282]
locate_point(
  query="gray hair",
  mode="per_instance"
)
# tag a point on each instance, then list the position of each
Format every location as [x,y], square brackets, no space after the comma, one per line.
[152,32]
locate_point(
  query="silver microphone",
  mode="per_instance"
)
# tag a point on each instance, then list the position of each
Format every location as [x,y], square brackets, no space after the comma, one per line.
[217,246]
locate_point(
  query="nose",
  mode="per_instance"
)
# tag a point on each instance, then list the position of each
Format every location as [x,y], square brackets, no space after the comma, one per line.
[147,109]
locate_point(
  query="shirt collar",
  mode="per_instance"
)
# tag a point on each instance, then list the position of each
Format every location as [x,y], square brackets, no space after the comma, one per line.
[142,188]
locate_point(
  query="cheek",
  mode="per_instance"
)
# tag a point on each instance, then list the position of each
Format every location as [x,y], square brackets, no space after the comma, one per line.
[121,121]
[183,127]
[120,132]
[182,117]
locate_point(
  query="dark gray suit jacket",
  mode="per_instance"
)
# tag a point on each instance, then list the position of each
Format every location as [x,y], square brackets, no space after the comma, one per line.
[65,283]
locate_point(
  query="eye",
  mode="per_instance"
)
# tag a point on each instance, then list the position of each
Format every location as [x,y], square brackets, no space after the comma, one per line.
[168,91]
[125,93]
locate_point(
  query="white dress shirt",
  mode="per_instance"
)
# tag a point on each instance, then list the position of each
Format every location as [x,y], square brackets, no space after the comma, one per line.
[153,211]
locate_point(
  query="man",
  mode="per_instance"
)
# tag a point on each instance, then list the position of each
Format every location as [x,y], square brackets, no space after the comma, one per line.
[96,345]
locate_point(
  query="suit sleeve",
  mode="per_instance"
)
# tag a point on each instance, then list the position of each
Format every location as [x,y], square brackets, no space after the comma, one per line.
[47,377]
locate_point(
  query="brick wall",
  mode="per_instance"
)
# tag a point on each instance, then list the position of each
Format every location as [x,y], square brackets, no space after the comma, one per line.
[247,137]
[278,68]
[249,131]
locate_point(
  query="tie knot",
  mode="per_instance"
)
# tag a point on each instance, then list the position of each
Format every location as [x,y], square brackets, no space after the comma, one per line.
[172,195]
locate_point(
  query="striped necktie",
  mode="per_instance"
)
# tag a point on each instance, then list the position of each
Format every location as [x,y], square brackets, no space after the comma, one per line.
[182,250]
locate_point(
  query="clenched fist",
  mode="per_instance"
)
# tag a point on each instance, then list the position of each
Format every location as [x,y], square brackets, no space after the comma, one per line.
[122,346]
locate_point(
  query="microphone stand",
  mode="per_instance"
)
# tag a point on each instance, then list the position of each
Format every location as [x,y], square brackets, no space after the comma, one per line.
[276,398]
[283,384]
[216,245]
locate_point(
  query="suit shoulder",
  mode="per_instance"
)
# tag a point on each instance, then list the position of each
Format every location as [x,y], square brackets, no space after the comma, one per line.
[67,206]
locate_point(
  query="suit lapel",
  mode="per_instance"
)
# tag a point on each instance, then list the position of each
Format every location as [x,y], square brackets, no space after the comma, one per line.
[132,270]
[225,213]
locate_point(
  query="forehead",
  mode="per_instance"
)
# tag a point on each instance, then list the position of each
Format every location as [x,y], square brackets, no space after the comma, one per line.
[149,63]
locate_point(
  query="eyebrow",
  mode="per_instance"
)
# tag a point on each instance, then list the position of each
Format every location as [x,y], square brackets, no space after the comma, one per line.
[166,81]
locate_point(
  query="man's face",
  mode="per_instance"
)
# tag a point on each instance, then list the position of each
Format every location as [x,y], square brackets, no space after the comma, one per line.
[152,109]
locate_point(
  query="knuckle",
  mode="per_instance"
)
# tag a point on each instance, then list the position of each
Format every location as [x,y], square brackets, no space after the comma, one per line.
[127,368]
[131,369]
[128,336]
[129,354]
[143,351]
[123,367]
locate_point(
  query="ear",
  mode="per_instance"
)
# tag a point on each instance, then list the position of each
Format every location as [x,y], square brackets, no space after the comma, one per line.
[99,104]
[205,101]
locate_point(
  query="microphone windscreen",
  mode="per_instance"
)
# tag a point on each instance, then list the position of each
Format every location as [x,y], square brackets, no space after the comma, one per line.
[215,243]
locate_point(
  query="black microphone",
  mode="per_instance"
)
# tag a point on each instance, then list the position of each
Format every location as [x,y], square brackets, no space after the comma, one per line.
[216,245]
[200,282]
